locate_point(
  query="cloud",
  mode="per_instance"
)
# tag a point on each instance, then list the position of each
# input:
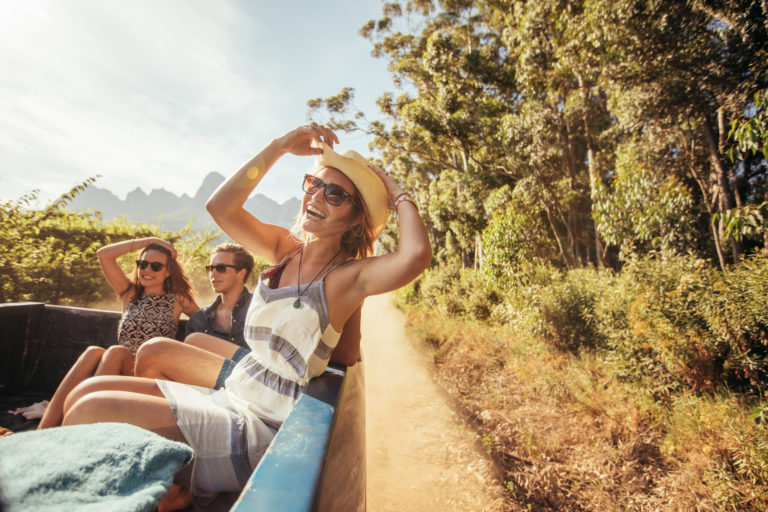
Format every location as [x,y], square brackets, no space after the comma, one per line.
[158,94]
[136,90]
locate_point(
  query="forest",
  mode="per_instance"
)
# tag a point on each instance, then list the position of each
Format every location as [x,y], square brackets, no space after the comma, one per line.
[593,179]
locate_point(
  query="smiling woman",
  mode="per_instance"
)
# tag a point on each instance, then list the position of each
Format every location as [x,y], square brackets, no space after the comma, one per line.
[153,298]
[320,278]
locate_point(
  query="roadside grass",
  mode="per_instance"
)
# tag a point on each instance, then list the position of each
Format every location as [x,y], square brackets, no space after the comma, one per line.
[569,433]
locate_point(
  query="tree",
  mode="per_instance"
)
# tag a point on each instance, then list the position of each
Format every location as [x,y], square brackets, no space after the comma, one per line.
[552,96]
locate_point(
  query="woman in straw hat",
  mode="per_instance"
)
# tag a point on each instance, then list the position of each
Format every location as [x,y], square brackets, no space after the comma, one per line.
[319,280]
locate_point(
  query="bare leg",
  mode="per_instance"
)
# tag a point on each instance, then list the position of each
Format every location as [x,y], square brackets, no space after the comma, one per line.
[212,344]
[111,383]
[84,367]
[166,359]
[117,360]
[136,403]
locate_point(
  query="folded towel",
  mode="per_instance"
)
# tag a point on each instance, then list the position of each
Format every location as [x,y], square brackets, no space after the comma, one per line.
[99,467]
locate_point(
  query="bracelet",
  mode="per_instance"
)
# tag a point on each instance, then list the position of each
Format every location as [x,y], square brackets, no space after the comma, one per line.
[404,197]
[401,194]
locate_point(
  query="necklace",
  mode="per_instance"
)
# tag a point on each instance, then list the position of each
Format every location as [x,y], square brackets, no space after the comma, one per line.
[299,291]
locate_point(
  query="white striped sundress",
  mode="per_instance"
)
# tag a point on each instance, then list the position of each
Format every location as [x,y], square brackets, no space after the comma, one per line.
[230,428]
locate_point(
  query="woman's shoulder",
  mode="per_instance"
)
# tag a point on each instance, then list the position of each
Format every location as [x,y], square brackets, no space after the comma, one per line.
[288,248]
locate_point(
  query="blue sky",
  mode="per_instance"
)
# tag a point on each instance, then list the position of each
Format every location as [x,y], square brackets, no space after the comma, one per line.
[158,93]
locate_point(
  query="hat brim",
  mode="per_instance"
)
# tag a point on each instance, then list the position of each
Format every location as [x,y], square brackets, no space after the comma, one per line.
[368,184]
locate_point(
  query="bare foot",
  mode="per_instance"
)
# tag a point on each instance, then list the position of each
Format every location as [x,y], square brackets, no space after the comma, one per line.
[178,497]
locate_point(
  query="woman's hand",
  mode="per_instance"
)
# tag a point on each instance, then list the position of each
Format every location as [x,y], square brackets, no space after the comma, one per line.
[299,140]
[159,241]
[393,188]
[267,240]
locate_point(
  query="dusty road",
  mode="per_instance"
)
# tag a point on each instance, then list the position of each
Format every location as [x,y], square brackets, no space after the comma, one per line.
[419,454]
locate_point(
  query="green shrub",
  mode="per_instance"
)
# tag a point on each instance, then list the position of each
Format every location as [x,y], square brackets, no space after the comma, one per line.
[662,329]
[674,321]
[671,322]
[556,306]
[568,310]
[454,291]
[736,311]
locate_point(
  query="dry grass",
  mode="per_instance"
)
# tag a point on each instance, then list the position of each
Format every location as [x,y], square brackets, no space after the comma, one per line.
[568,436]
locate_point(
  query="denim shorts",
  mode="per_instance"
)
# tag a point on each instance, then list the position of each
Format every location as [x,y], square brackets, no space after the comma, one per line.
[226,368]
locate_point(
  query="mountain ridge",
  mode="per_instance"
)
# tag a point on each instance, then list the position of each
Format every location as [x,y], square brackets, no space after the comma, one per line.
[173,212]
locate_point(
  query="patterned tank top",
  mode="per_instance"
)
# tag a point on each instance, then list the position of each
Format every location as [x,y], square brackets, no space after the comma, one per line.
[149,317]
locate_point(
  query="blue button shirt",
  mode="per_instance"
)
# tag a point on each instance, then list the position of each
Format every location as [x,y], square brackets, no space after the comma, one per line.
[204,320]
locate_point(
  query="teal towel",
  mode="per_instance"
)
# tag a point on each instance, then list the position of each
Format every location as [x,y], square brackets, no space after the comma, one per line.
[100,467]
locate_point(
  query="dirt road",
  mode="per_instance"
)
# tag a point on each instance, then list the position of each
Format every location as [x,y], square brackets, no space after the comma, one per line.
[420,456]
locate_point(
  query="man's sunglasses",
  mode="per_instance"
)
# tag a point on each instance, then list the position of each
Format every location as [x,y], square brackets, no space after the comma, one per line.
[220,268]
[156,266]
[333,194]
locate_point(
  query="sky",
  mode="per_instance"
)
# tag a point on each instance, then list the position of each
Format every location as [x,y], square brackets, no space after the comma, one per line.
[159,93]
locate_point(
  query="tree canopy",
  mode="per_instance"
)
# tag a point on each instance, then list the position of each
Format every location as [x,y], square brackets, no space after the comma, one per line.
[600,127]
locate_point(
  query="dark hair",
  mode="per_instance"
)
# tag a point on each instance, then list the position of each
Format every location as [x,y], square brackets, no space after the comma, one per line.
[243,259]
[176,283]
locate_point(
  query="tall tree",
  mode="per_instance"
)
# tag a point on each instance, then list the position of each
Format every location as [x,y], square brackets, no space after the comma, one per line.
[554,96]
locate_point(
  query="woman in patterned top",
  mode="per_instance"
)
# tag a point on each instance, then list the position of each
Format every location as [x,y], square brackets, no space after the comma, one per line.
[297,312]
[153,298]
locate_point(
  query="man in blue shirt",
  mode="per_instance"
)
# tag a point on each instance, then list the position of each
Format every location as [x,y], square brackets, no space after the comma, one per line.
[228,271]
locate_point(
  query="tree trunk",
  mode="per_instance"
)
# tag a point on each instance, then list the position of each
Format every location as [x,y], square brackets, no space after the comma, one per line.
[594,179]
[553,228]
[569,255]
[708,202]
[720,177]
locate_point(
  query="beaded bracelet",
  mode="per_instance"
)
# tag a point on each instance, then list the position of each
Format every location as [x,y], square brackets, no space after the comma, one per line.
[405,196]
[393,204]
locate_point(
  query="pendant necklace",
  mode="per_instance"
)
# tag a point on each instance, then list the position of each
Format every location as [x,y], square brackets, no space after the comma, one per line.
[299,291]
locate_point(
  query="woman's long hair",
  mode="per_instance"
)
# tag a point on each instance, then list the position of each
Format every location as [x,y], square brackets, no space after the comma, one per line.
[177,283]
[358,240]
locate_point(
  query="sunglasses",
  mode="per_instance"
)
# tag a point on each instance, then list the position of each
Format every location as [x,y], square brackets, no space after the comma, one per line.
[220,268]
[333,194]
[156,266]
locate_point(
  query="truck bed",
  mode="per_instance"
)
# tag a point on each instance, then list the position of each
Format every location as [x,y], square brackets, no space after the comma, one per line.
[315,462]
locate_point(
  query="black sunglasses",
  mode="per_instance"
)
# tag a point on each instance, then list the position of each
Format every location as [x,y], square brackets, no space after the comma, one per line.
[333,194]
[156,266]
[220,268]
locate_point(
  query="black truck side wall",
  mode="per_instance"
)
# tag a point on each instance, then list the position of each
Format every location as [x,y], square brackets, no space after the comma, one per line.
[39,343]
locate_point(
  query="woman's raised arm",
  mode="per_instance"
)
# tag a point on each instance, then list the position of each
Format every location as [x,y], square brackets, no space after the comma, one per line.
[414,252]
[226,203]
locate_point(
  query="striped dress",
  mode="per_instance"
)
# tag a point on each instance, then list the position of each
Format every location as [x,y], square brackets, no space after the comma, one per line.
[230,428]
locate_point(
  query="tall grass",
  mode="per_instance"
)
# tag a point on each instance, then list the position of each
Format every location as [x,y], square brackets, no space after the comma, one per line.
[639,390]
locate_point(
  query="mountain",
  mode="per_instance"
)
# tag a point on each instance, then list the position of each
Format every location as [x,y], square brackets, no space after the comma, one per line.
[173,212]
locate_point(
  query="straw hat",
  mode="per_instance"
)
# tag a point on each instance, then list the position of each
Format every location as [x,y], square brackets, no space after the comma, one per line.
[366,181]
